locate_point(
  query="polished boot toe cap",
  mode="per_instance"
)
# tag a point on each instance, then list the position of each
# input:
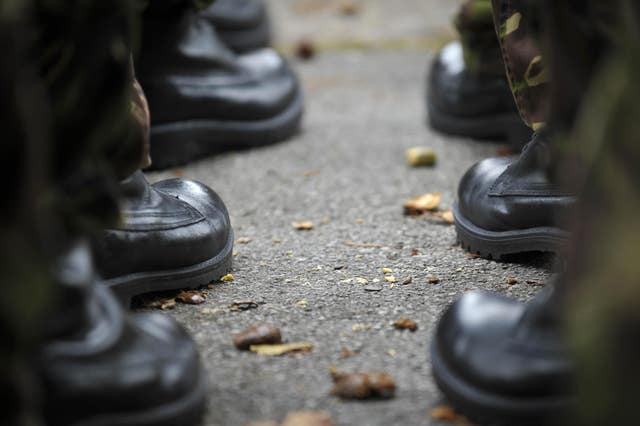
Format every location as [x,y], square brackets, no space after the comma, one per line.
[481,338]
[474,200]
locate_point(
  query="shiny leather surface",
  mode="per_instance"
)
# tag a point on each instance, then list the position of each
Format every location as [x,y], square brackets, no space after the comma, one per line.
[188,74]
[504,346]
[454,90]
[113,362]
[171,224]
[236,14]
[501,194]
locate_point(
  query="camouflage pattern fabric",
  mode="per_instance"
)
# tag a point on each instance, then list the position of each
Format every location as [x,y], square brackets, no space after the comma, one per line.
[594,52]
[481,50]
[517,24]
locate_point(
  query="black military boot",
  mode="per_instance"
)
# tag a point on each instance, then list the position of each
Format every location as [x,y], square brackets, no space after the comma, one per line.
[100,366]
[501,361]
[508,205]
[474,104]
[203,98]
[243,25]
[174,234]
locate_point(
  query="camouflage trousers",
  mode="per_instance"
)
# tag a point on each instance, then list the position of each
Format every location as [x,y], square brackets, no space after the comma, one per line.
[587,92]
[474,22]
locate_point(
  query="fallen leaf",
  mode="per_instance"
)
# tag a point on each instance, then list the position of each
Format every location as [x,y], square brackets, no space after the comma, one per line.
[512,281]
[155,302]
[257,335]
[360,327]
[406,324]
[448,414]
[191,297]
[348,8]
[347,353]
[308,418]
[419,205]
[362,281]
[305,49]
[434,280]
[243,305]
[420,156]
[407,280]
[362,385]
[447,216]
[390,278]
[243,240]
[303,226]
[227,278]
[472,255]
[281,349]
[415,252]
[387,271]
[302,303]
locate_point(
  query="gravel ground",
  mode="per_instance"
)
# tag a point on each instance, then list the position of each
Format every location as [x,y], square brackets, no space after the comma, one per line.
[346,173]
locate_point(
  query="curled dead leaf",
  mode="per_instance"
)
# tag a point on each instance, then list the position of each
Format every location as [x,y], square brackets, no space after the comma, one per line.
[420,156]
[423,203]
[191,297]
[257,335]
[281,349]
[448,414]
[303,226]
[154,302]
[227,278]
[362,385]
[406,324]
[512,281]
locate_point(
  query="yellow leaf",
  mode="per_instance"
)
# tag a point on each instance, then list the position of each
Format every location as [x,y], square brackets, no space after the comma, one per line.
[281,349]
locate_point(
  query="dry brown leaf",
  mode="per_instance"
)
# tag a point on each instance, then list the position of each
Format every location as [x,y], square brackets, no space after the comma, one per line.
[308,418]
[305,49]
[191,297]
[472,255]
[155,302]
[281,349]
[243,305]
[406,324]
[347,353]
[243,240]
[434,280]
[348,8]
[415,252]
[257,335]
[362,385]
[512,281]
[303,226]
[423,203]
[448,414]
[420,156]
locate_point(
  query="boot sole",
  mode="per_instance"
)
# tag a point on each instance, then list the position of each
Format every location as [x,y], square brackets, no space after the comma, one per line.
[485,407]
[178,143]
[494,245]
[190,277]
[507,126]
[247,39]
[189,410]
